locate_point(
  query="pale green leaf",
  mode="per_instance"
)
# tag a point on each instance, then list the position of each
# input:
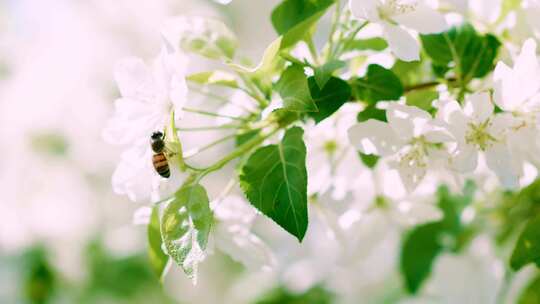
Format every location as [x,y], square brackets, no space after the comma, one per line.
[268,61]
[274,180]
[185,227]
[324,72]
[214,78]
[294,90]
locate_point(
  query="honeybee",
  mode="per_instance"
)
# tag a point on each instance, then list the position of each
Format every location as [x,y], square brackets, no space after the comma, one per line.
[159,160]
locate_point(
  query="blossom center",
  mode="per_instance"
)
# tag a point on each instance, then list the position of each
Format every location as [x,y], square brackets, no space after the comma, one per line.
[478,135]
[396,7]
[415,154]
[330,147]
[381,202]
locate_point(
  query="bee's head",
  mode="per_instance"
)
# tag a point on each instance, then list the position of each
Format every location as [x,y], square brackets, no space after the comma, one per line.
[157,135]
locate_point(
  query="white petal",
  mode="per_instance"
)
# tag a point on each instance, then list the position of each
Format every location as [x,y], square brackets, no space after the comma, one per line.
[505,87]
[437,131]
[407,121]
[499,159]
[486,10]
[423,19]
[142,215]
[169,71]
[134,78]
[479,106]
[450,112]
[133,176]
[402,44]
[466,159]
[411,175]
[365,9]
[233,209]
[374,137]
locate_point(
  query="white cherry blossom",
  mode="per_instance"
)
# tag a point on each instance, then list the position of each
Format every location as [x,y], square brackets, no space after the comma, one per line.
[517,91]
[477,130]
[149,95]
[393,14]
[411,138]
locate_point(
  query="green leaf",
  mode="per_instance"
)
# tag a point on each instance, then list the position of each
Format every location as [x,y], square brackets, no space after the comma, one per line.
[274,180]
[374,44]
[369,160]
[531,294]
[158,259]
[424,243]
[185,227]
[294,19]
[294,90]
[422,99]
[335,93]
[527,248]
[378,84]
[324,72]
[413,72]
[420,248]
[214,78]
[463,50]
[371,112]
[267,63]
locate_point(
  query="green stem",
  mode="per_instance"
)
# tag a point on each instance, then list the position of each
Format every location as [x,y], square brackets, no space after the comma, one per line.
[210,145]
[175,139]
[208,94]
[313,51]
[209,128]
[340,47]
[240,151]
[202,112]
[253,91]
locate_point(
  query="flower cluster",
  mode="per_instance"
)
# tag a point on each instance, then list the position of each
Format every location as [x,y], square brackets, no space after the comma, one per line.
[390,126]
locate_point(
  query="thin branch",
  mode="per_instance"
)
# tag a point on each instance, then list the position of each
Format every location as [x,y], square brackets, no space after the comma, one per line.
[208,128]
[207,113]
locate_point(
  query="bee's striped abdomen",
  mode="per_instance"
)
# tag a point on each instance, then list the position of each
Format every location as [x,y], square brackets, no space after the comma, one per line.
[161,164]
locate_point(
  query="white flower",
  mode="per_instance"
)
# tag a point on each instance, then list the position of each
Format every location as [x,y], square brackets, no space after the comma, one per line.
[148,97]
[517,91]
[331,162]
[476,129]
[390,14]
[205,36]
[232,234]
[411,137]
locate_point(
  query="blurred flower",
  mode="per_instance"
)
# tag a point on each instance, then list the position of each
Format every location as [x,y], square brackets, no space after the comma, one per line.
[390,14]
[331,162]
[411,137]
[232,234]
[205,36]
